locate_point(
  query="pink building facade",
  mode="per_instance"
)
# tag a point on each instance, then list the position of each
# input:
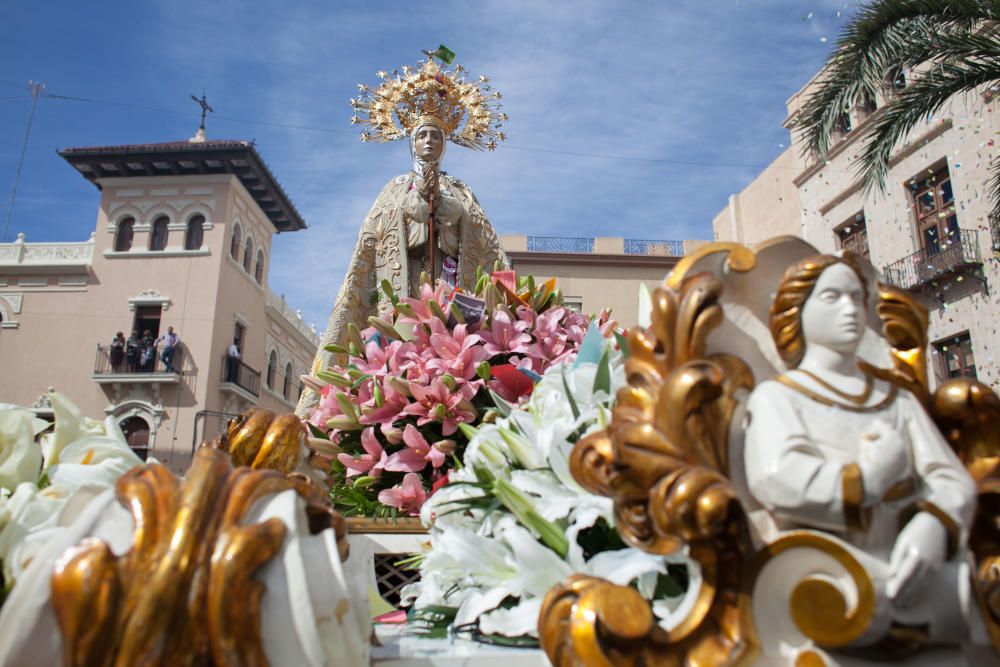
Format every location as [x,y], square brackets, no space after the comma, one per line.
[183,240]
[930,232]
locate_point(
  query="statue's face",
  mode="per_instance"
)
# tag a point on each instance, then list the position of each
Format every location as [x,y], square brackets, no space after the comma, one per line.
[833,315]
[428,143]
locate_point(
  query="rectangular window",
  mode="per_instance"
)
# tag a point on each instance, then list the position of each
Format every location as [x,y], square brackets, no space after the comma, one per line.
[955,357]
[574,303]
[853,235]
[934,208]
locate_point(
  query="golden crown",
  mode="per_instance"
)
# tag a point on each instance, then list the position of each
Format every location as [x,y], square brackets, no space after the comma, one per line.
[468,113]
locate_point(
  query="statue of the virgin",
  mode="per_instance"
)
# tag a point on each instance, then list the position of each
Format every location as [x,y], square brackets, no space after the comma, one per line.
[424,221]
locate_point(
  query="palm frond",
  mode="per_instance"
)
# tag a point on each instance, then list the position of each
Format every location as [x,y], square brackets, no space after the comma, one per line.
[924,97]
[885,36]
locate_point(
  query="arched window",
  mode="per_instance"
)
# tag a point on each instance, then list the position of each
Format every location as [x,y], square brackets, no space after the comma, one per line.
[286,390]
[158,239]
[248,254]
[136,430]
[258,273]
[195,232]
[272,368]
[123,237]
[234,246]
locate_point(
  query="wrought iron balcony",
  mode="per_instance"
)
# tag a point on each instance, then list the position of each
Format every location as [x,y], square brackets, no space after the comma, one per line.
[235,372]
[928,264]
[654,247]
[577,244]
[116,365]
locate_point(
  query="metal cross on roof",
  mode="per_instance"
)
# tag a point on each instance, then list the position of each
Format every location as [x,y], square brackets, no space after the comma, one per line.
[203,103]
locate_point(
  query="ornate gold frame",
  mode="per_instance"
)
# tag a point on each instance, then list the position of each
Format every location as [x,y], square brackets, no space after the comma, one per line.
[664,461]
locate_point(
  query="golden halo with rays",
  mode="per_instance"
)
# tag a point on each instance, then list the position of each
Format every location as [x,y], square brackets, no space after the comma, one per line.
[468,112]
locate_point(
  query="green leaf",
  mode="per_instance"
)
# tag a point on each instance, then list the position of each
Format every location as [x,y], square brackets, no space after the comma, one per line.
[569,395]
[622,344]
[602,379]
[503,407]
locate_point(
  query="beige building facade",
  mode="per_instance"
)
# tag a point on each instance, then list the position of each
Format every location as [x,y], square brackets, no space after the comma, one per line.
[183,239]
[929,233]
[597,272]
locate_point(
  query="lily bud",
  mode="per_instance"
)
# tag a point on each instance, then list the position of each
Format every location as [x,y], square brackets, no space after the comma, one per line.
[446,446]
[313,383]
[400,385]
[384,328]
[343,423]
[521,506]
[440,411]
[323,446]
[448,380]
[483,370]
[393,434]
[334,378]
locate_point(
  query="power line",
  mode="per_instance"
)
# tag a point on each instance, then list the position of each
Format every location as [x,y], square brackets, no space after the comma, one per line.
[36,89]
[330,130]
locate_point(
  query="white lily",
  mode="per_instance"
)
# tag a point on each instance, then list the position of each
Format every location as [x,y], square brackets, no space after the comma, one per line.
[20,457]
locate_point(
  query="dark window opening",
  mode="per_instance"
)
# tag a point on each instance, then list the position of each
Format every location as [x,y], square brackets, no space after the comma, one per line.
[136,430]
[234,246]
[286,389]
[123,237]
[248,255]
[955,357]
[147,318]
[272,369]
[258,273]
[853,235]
[934,207]
[239,334]
[158,239]
[195,233]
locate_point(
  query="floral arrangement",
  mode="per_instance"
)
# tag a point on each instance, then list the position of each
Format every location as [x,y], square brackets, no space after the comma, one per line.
[391,412]
[512,522]
[45,478]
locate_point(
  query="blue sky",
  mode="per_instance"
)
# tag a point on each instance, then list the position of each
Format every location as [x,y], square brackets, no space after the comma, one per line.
[692,90]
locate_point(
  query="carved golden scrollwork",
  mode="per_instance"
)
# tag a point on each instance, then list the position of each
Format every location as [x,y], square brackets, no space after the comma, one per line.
[968,413]
[184,594]
[261,439]
[664,460]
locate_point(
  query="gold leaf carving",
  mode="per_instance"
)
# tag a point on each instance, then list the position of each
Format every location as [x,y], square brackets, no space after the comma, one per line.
[184,594]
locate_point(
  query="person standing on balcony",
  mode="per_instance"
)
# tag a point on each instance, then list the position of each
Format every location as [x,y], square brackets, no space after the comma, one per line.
[132,346]
[233,360]
[148,347]
[117,351]
[170,342]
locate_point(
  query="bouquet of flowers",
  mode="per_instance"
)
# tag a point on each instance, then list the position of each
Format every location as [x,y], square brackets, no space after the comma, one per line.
[512,522]
[391,411]
[43,484]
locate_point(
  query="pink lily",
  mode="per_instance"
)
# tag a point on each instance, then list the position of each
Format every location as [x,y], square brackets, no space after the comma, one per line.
[456,352]
[372,462]
[416,455]
[408,496]
[438,403]
[505,336]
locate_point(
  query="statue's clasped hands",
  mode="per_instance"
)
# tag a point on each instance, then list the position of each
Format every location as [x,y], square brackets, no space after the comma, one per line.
[921,546]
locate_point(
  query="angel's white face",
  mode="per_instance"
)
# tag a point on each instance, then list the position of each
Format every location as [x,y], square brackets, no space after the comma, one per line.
[833,315]
[428,143]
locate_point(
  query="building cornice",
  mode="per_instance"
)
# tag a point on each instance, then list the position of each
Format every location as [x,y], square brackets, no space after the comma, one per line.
[592,259]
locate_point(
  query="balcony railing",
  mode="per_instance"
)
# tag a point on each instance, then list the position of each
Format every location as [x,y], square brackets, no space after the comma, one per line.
[112,363]
[654,247]
[587,245]
[577,244]
[927,264]
[234,371]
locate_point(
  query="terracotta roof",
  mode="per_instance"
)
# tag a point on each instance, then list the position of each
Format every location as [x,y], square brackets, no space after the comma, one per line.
[178,158]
